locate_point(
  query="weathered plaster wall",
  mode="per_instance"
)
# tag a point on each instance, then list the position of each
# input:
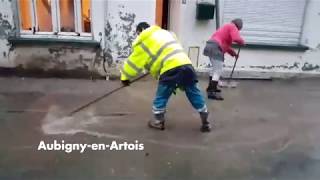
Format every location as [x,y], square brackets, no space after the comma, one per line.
[121,19]
[53,59]
[6,28]
[253,62]
[274,63]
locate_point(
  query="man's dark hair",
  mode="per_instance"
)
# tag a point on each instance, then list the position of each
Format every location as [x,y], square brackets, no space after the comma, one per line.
[142,26]
[238,22]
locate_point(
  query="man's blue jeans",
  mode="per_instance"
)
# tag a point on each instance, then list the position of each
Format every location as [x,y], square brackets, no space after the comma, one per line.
[164,92]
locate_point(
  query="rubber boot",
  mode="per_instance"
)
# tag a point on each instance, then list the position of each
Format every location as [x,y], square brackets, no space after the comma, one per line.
[213,92]
[157,122]
[212,87]
[205,127]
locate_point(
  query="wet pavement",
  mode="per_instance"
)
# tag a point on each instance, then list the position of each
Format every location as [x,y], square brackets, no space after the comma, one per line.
[267,130]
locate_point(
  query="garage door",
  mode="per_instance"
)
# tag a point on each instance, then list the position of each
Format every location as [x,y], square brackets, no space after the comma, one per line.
[277,22]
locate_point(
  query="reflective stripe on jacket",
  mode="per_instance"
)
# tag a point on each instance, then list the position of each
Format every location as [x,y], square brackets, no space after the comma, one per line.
[155,50]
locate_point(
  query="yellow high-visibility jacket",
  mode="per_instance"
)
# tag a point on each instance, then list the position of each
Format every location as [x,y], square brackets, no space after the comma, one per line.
[155,50]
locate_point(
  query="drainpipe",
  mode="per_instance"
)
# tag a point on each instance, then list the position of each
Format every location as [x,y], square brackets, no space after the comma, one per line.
[304,21]
[217,14]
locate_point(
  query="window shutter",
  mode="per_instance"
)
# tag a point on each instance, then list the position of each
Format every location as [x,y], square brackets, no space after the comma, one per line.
[272,22]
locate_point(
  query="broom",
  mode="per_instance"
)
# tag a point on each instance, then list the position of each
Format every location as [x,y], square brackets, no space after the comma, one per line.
[229,83]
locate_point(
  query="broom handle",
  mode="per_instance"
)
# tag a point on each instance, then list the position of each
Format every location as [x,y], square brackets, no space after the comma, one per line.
[235,63]
[103,96]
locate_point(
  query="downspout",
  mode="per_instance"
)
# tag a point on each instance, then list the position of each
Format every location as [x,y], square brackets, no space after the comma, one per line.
[217,14]
[303,22]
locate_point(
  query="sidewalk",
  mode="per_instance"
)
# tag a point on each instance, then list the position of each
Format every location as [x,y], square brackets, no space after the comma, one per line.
[264,130]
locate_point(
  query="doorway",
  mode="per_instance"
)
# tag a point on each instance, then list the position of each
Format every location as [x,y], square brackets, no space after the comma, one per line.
[162,13]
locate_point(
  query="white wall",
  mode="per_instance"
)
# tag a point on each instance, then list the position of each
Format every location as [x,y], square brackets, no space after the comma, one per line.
[175,15]
[190,31]
[311,28]
[98,11]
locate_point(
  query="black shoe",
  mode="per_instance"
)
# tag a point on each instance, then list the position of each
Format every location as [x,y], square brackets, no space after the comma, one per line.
[205,127]
[156,124]
[215,95]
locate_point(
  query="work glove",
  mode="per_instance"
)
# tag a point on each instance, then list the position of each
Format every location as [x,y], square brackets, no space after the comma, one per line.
[232,53]
[125,82]
[236,56]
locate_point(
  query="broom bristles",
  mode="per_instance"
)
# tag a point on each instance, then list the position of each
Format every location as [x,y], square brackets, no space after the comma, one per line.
[228,84]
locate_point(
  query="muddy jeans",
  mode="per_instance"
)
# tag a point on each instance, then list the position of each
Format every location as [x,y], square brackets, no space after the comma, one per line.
[164,92]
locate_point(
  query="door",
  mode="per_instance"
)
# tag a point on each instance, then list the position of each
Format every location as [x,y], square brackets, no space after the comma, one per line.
[162,13]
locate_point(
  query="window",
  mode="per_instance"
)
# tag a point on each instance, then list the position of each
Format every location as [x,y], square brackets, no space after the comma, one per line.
[25,19]
[58,17]
[269,22]
[67,20]
[86,22]
[44,17]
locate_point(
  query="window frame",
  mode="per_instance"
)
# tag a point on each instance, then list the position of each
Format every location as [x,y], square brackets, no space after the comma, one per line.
[23,31]
[57,7]
[56,22]
[36,24]
[79,20]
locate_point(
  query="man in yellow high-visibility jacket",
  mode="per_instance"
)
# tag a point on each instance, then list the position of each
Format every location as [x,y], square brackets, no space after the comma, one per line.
[158,51]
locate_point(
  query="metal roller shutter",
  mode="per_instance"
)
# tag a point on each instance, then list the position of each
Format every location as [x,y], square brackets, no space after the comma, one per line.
[277,22]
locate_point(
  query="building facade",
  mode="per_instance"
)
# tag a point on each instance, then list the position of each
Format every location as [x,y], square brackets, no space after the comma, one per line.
[69,37]
[93,37]
[282,36]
